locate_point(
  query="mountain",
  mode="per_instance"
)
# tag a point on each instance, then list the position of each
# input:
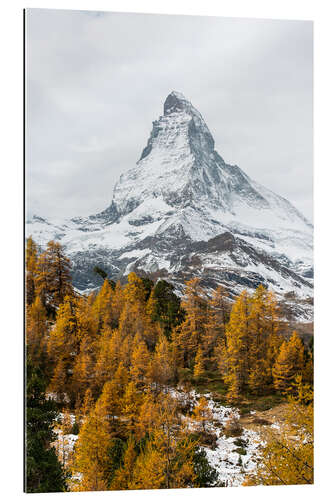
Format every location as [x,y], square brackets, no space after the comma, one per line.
[181,212]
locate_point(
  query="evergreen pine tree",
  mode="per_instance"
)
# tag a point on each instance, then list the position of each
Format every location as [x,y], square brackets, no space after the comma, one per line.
[44,472]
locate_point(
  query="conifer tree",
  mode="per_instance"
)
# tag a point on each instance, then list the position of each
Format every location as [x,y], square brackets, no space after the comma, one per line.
[151,307]
[58,386]
[237,347]
[174,445]
[65,427]
[124,475]
[117,304]
[307,372]
[44,472]
[63,341]
[31,256]
[189,334]
[147,419]
[91,455]
[274,328]
[258,341]
[134,291]
[130,404]
[289,363]
[202,414]
[87,322]
[102,307]
[107,351]
[108,403]
[63,347]
[162,369]
[87,405]
[121,379]
[199,365]
[36,331]
[164,306]
[221,357]
[139,360]
[125,350]
[217,319]
[148,471]
[53,281]
[82,372]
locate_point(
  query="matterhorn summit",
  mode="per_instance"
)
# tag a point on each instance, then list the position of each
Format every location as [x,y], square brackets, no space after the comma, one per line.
[181,212]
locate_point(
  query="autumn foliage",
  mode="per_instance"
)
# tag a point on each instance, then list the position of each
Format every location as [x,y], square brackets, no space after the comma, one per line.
[112,356]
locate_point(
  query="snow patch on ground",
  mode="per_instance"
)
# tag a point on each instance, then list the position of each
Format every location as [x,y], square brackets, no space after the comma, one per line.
[231,466]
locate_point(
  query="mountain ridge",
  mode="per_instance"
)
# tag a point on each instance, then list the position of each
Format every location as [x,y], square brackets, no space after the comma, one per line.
[180,193]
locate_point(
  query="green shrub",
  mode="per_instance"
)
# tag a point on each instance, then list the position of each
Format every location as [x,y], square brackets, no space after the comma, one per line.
[75,428]
[240,451]
[241,443]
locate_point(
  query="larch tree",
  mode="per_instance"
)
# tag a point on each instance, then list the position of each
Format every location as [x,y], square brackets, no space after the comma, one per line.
[91,453]
[130,404]
[124,475]
[217,319]
[63,346]
[237,347]
[221,358]
[134,291]
[148,471]
[274,327]
[107,353]
[53,280]
[102,307]
[58,385]
[87,405]
[31,257]
[86,320]
[117,304]
[189,334]
[289,363]
[175,446]
[82,373]
[202,414]
[108,403]
[162,369]
[125,350]
[63,341]
[121,379]
[147,419]
[139,360]
[36,331]
[258,339]
[199,364]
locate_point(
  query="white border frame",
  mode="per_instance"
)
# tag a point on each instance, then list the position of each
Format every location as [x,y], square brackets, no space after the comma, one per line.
[320,11]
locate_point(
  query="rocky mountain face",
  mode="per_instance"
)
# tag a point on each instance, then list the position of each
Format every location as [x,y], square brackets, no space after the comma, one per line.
[183,212]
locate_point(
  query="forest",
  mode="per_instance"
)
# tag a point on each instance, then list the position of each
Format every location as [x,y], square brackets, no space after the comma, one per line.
[116,369]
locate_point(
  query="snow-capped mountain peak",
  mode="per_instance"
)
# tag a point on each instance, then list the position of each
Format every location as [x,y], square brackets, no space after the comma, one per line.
[179,197]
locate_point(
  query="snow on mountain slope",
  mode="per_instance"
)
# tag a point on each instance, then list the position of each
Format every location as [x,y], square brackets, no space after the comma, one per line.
[182,211]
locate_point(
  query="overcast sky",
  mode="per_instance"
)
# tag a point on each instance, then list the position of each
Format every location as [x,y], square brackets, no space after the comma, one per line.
[96,81]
